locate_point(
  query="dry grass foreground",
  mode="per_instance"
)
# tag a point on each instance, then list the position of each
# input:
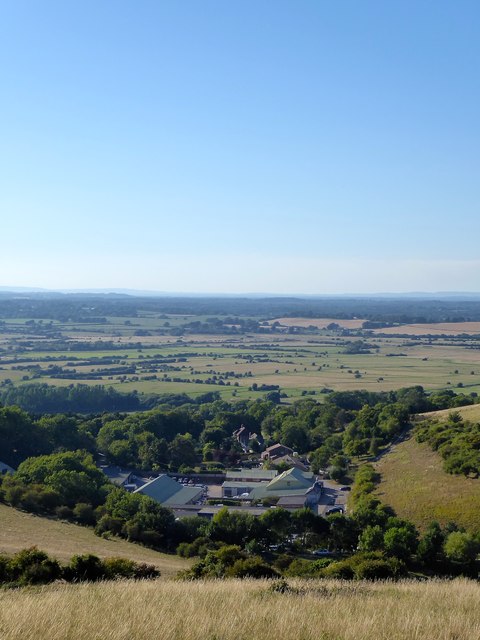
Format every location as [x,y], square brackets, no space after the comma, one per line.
[414,483]
[19,530]
[243,610]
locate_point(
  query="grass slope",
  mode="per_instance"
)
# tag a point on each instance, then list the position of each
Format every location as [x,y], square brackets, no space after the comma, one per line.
[414,483]
[243,610]
[470,412]
[19,530]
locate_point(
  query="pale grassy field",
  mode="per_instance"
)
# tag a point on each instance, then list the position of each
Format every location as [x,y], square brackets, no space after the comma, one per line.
[62,540]
[320,323]
[247,610]
[438,328]
[414,483]
[471,413]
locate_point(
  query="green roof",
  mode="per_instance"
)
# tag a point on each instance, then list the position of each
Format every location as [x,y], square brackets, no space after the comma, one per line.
[289,483]
[260,474]
[168,491]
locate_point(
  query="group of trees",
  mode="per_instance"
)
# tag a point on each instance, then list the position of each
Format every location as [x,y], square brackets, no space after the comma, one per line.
[456,440]
[57,475]
[181,433]
[33,567]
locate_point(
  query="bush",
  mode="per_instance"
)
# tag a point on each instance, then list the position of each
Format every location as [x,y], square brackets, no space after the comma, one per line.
[253,567]
[84,568]
[341,570]
[84,513]
[199,547]
[117,568]
[375,570]
[31,566]
[64,513]
[308,568]
[114,568]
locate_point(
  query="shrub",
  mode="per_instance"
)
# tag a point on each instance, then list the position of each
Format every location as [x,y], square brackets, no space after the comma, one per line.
[252,567]
[83,568]
[84,513]
[114,568]
[342,570]
[63,512]
[375,570]
[31,566]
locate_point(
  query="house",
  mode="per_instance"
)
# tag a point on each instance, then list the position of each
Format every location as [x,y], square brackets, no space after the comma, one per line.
[243,437]
[299,488]
[169,492]
[117,476]
[276,451]
[5,468]
[309,499]
[291,461]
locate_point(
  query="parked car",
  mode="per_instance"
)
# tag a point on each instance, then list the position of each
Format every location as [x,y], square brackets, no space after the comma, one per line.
[323,553]
[345,488]
[334,510]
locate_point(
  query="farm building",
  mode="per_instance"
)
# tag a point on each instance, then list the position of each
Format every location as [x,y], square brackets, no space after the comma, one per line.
[117,476]
[169,492]
[291,484]
[276,451]
[236,489]
[251,475]
[292,461]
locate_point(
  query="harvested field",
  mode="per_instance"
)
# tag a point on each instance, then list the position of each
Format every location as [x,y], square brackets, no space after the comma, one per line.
[320,323]
[440,328]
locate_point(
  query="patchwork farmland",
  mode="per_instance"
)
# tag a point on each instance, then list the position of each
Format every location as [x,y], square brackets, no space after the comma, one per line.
[171,353]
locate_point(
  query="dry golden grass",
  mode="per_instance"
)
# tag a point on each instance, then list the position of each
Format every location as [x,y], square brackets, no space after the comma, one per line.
[437,328]
[414,483]
[243,610]
[470,412]
[62,540]
[320,323]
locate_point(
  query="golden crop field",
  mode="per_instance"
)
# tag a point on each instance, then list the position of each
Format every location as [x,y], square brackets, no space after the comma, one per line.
[438,328]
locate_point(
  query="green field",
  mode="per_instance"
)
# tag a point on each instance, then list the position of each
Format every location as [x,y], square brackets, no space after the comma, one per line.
[230,364]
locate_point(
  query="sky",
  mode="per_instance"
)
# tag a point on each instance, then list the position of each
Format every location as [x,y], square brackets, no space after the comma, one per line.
[280,146]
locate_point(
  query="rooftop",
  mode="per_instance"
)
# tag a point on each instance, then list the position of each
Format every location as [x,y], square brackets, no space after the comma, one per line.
[168,491]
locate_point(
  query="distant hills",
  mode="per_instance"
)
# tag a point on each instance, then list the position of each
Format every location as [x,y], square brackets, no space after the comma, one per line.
[412,295]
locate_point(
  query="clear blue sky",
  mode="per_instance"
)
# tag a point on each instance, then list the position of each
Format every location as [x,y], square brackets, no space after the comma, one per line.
[304,146]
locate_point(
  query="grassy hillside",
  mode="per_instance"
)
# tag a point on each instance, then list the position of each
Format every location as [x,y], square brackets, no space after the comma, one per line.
[470,412]
[244,610]
[414,483]
[19,530]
